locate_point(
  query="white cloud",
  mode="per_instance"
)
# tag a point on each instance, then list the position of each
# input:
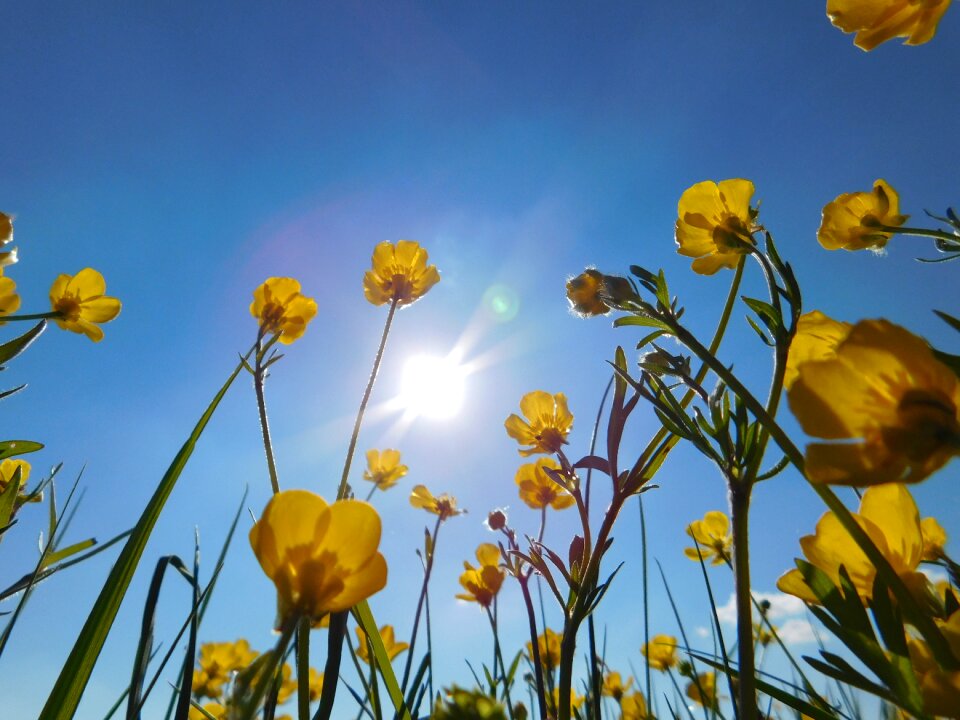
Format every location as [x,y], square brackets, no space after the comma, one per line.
[702,632]
[781,606]
[797,631]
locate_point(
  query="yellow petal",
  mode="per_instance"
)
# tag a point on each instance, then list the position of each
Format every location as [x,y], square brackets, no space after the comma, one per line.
[891,508]
[101,309]
[353,533]
[87,283]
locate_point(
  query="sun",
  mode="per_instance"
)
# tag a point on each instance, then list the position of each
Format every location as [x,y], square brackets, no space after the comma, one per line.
[433,386]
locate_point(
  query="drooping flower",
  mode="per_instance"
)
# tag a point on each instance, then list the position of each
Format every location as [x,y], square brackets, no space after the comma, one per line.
[81,302]
[443,505]
[7,257]
[634,707]
[583,293]
[390,643]
[548,422]
[282,309]
[9,299]
[482,583]
[934,539]
[890,518]
[851,221]
[548,645]
[322,558]
[713,537]
[218,660]
[384,468]
[400,273]
[877,21]
[939,688]
[538,490]
[715,224]
[817,338]
[703,691]
[614,686]
[661,652]
[886,390]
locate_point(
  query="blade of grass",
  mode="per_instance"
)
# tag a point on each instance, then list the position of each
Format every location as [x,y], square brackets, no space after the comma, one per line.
[65,696]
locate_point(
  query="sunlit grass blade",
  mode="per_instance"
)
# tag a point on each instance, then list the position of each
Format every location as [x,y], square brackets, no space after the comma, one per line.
[716,619]
[12,448]
[416,689]
[363,615]
[65,696]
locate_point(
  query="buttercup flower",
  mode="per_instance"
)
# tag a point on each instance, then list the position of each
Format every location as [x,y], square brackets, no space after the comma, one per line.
[661,652]
[553,701]
[934,538]
[9,300]
[282,309]
[315,685]
[703,692]
[583,294]
[714,224]
[8,257]
[217,661]
[390,644]
[850,222]
[538,490]
[322,558]
[877,21]
[817,338]
[890,518]
[483,583]
[443,505]
[7,469]
[713,537]
[940,688]
[400,272]
[548,423]
[548,645]
[288,684]
[633,707]
[216,709]
[614,686]
[761,634]
[886,390]
[384,468]
[81,302]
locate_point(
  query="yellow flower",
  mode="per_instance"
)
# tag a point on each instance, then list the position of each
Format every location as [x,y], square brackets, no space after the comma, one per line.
[851,221]
[443,505]
[217,662]
[940,688]
[282,309]
[713,537]
[9,300]
[537,489]
[703,692]
[877,21]
[216,709]
[548,645]
[384,468]
[613,685]
[890,518]
[887,390]
[390,644]
[81,302]
[761,634]
[483,583]
[661,652]
[583,292]
[715,224]
[315,685]
[816,339]
[633,707]
[8,257]
[322,558]
[8,467]
[400,273]
[934,539]
[288,684]
[553,702]
[548,423]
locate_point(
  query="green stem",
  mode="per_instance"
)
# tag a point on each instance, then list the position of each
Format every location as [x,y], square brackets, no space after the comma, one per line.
[342,489]
[740,508]
[55,315]
[331,670]
[498,657]
[303,669]
[259,376]
[534,645]
[921,232]
[266,677]
[428,569]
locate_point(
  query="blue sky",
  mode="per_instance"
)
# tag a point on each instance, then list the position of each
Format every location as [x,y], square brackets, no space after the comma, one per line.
[189,151]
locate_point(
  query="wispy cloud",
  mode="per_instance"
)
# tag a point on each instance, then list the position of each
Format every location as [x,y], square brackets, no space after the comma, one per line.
[786,612]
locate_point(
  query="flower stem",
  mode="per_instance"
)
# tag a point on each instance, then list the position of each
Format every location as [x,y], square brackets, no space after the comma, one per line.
[331,671]
[342,489]
[259,376]
[534,645]
[498,657]
[921,232]
[428,568]
[56,314]
[303,669]
[740,508]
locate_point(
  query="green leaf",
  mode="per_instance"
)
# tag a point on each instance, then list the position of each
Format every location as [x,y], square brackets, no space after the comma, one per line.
[66,552]
[948,319]
[642,321]
[8,498]
[65,696]
[11,448]
[363,615]
[9,350]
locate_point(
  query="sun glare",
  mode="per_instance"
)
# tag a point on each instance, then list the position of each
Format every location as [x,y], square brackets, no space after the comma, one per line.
[433,386]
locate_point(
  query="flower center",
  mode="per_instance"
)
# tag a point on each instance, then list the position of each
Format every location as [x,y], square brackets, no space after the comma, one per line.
[271,317]
[732,236]
[928,424]
[68,306]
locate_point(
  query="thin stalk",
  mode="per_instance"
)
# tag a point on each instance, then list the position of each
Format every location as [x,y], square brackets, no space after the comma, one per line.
[338,626]
[303,669]
[428,568]
[747,690]
[921,232]
[259,376]
[498,657]
[534,646]
[56,314]
[646,608]
[342,489]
